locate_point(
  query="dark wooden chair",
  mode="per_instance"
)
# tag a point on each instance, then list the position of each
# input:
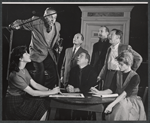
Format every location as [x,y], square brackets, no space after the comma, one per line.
[143,93]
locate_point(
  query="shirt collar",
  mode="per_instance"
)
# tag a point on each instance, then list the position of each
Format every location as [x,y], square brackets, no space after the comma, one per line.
[76,48]
[115,47]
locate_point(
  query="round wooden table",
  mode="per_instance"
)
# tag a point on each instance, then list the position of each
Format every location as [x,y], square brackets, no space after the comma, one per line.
[89,103]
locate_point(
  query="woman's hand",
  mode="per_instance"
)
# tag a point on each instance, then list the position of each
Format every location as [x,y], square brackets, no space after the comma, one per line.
[70,88]
[108,109]
[55,90]
[94,91]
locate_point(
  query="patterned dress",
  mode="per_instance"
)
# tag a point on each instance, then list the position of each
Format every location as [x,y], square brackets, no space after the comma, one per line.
[19,105]
[131,107]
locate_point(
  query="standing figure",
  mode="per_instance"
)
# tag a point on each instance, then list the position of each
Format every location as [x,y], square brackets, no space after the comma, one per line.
[70,58]
[45,34]
[100,49]
[127,106]
[111,65]
[22,101]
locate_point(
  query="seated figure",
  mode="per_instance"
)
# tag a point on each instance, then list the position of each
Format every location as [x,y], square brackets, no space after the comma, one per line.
[22,100]
[127,106]
[83,76]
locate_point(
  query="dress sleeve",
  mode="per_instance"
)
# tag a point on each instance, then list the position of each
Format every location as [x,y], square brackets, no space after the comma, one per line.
[18,81]
[135,80]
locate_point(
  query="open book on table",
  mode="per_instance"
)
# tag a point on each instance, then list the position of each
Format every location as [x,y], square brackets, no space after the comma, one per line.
[72,95]
[107,95]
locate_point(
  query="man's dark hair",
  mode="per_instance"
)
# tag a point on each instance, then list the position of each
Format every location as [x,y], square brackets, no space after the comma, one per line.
[87,56]
[118,32]
[106,28]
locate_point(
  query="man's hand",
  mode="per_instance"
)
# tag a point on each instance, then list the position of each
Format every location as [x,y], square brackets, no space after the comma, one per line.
[70,88]
[15,25]
[76,90]
[94,91]
[98,78]
[61,79]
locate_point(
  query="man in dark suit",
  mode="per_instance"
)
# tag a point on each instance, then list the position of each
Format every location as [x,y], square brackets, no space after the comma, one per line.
[111,64]
[44,35]
[83,76]
[100,49]
[70,58]
[81,79]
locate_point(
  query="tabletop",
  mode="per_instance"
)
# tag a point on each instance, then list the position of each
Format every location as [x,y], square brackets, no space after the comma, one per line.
[88,99]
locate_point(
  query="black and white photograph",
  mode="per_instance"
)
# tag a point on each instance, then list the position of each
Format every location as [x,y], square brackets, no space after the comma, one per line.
[81,61]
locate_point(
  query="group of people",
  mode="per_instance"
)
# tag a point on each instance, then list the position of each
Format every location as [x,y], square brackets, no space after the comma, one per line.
[113,62]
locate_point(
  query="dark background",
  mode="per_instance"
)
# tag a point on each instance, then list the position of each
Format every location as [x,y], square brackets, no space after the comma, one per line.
[70,20]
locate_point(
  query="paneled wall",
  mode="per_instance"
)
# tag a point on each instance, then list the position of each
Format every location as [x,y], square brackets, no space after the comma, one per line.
[111,16]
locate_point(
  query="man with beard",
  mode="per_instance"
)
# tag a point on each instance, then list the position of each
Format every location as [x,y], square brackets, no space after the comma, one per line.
[44,35]
[100,49]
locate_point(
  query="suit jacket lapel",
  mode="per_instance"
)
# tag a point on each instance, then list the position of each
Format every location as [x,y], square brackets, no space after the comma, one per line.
[108,53]
[42,27]
[70,52]
[77,52]
[55,36]
[119,49]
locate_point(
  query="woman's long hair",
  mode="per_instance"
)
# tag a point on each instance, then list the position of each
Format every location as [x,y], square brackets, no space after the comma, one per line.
[16,54]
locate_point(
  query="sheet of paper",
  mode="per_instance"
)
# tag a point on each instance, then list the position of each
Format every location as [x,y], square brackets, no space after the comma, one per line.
[108,95]
[72,95]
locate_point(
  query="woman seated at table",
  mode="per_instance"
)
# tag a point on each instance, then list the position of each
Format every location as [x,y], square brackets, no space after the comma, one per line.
[127,106]
[19,106]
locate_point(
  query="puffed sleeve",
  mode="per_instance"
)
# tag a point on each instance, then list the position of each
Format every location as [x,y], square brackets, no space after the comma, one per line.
[18,81]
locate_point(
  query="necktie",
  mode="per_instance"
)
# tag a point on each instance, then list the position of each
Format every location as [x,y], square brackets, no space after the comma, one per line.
[73,53]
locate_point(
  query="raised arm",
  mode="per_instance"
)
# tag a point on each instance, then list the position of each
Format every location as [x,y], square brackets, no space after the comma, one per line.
[137,59]
[27,24]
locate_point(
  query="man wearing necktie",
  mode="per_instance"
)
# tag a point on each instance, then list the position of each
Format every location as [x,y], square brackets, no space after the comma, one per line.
[111,64]
[70,58]
[44,35]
